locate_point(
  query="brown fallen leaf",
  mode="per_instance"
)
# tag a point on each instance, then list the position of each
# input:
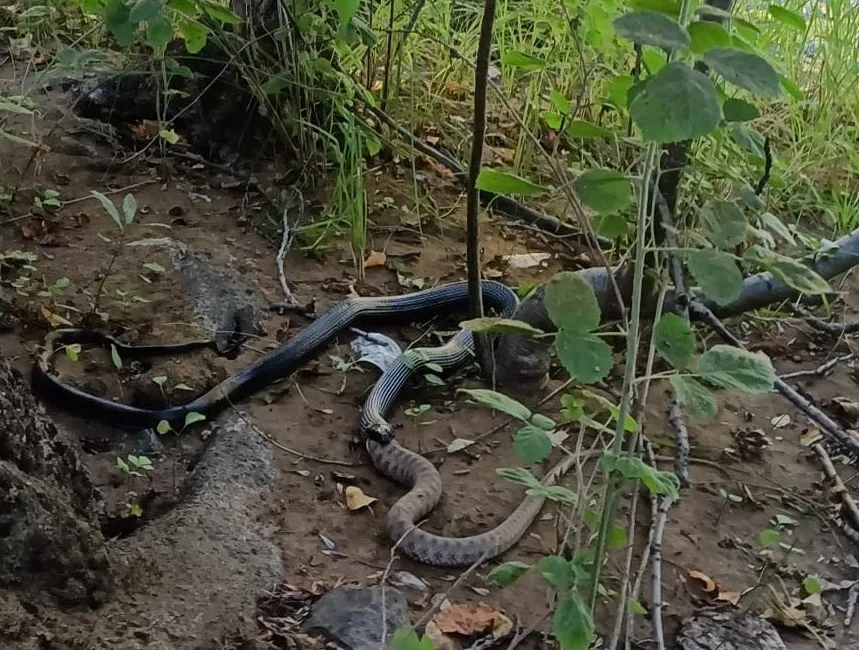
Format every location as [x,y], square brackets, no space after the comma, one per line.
[709,584]
[810,436]
[732,597]
[375,258]
[440,640]
[356,499]
[436,168]
[54,319]
[145,130]
[466,619]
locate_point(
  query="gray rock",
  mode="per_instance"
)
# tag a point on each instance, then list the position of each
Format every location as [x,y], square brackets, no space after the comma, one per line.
[352,616]
[728,631]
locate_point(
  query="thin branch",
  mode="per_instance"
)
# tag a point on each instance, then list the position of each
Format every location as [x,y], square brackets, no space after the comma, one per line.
[833,329]
[822,370]
[838,486]
[439,601]
[827,425]
[656,571]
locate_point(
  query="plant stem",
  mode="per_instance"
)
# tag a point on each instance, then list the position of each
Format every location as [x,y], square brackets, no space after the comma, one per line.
[481,72]
[614,482]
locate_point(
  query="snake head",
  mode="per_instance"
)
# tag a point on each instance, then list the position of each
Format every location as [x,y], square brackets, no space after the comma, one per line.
[380,432]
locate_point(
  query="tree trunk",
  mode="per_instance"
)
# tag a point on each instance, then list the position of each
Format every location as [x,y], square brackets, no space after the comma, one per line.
[50,541]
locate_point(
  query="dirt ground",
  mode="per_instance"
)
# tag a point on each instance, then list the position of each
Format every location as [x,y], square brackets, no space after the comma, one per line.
[314,414]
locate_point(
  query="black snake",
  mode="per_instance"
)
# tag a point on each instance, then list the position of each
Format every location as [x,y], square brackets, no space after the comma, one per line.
[387,455]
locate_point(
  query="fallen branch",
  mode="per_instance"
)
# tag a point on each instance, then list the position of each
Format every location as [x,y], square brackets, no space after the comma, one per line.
[656,571]
[827,425]
[833,329]
[822,370]
[838,486]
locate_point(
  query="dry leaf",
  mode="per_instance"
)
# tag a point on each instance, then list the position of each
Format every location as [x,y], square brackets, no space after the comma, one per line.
[789,616]
[709,584]
[440,640]
[847,407]
[732,597]
[502,626]
[466,619]
[780,421]
[526,260]
[459,444]
[375,258]
[437,168]
[54,319]
[145,130]
[356,499]
[810,436]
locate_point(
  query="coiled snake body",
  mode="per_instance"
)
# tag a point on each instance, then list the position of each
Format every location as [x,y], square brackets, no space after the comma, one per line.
[388,456]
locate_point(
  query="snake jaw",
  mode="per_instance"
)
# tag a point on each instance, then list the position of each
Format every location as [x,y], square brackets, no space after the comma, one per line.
[381,433]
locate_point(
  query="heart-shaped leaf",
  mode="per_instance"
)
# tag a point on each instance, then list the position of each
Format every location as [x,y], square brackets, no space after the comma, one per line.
[699,399]
[717,274]
[674,340]
[652,28]
[730,367]
[603,190]
[723,223]
[744,69]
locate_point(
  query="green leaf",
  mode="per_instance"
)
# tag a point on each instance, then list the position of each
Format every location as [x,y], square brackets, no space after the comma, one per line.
[129,208]
[651,28]
[560,102]
[184,387]
[699,399]
[706,35]
[557,571]
[632,468]
[611,226]
[14,139]
[603,190]
[14,107]
[553,120]
[768,538]
[488,325]
[730,367]
[773,223]
[674,340]
[744,69]
[723,223]
[116,19]
[346,9]
[159,31]
[791,88]
[518,475]
[677,104]
[752,200]
[794,274]
[585,356]
[552,493]
[499,402]
[749,139]
[812,585]
[491,180]
[629,423]
[585,130]
[144,10]
[571,303]
[220,12]
[618,89]
[155,267]
[122,465]
[109,207]
[787,18]
[572,622]
[541,421]
[717,274]
[572,408]
[506,574]
[163,427]
[194,34]
[73,351]
[417,411]
[668,7]
[653,59]
[169,135]
[736,110]
[159,381]
[193,417]
[517,59]
[114,356]
[531,444]
[617,538]
[636,607]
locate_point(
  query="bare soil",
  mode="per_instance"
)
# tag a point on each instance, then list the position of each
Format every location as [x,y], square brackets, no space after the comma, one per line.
[314,414]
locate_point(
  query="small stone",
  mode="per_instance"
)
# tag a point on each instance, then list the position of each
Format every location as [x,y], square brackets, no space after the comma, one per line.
[351,616]
[796,358]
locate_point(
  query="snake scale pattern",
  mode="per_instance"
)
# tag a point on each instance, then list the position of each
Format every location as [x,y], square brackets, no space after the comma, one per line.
[388,456]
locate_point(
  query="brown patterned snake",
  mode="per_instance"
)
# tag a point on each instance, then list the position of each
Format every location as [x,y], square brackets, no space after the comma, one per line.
[413,470]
